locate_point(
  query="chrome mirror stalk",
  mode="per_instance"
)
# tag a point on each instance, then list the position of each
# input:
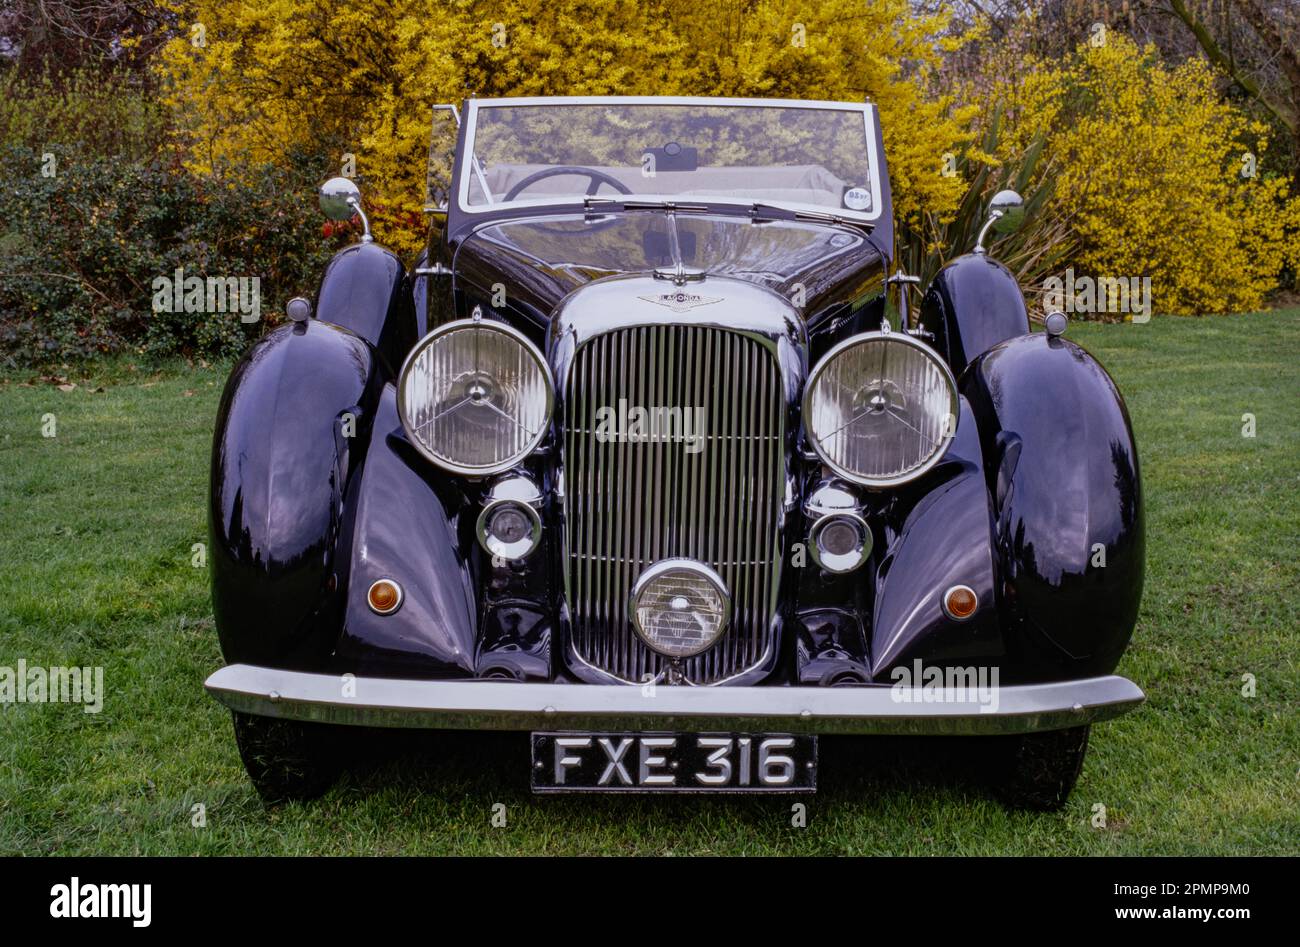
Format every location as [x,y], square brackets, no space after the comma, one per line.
[1006,213]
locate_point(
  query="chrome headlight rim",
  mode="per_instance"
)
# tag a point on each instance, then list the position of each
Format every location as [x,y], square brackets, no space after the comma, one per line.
[687,565]
[495,326]
[863,338]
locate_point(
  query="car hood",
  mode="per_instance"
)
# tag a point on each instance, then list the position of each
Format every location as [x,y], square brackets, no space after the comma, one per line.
[541,260]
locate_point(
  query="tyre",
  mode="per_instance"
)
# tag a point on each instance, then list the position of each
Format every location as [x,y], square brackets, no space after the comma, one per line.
[1039,770]
[287,760]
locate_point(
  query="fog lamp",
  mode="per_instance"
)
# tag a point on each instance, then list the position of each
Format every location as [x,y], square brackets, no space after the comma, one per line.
[840,542]
[680,607]
[509,529]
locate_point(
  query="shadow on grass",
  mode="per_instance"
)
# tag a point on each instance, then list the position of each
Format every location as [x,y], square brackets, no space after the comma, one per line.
[495,765]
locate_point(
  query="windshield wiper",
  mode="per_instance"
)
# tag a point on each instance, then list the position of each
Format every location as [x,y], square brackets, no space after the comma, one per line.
[759,212]
[638,203]
[596,206]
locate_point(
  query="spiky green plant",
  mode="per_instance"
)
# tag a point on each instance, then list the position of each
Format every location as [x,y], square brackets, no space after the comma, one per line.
[1041,246]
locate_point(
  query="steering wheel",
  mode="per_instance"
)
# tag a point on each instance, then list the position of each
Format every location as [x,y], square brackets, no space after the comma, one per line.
[597,178]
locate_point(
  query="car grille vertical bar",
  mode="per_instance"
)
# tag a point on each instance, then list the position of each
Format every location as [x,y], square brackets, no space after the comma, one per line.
[633,503]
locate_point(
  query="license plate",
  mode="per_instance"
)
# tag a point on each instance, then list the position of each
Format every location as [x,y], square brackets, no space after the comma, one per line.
[674,762]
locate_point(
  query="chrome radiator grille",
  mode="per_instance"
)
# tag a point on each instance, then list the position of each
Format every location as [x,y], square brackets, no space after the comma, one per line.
[716,499]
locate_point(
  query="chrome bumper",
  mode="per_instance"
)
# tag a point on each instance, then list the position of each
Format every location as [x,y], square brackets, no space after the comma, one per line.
[506,705]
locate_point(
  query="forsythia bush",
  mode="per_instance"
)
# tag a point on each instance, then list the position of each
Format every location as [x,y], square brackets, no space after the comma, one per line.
[251,82]
[1155,178]
[86,113]
[1144,162]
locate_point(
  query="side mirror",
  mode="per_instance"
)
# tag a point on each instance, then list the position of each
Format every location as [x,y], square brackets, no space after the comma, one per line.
[1006,214]
[340,199]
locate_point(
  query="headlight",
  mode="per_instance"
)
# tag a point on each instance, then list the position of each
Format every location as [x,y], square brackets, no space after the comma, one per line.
[475,397]
[880,408]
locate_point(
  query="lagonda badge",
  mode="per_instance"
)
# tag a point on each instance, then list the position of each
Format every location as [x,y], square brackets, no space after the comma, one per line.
[680,301]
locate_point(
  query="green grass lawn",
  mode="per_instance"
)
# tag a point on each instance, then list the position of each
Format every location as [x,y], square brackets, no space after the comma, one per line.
[96,529]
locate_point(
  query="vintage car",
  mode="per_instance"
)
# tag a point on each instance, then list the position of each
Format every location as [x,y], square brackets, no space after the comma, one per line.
[648,456]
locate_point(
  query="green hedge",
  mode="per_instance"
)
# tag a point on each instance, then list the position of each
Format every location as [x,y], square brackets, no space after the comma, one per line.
[98,205]
[81,250]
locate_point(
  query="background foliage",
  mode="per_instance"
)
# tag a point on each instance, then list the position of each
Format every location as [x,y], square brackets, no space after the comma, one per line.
[85,246]
[278,74]
[1155,179]
[192,133]
[1133,167]
[97,206]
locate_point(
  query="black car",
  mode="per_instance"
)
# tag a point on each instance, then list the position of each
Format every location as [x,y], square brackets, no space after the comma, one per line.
[647,455]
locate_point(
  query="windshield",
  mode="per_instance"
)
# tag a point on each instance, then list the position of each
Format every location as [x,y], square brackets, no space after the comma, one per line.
[809,156]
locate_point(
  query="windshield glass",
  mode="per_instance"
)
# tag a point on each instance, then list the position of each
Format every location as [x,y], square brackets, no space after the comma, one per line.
[819,156]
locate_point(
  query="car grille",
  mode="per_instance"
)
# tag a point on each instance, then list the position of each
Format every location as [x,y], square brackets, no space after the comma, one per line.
[631,504]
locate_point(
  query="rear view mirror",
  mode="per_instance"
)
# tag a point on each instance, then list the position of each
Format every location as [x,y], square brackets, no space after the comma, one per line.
[671,157]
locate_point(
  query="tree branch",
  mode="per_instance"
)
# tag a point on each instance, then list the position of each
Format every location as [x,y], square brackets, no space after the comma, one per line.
[1283,111]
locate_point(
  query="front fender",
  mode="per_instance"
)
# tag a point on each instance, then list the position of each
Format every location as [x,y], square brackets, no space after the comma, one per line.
[404,523]
[1062,469]
[364,289]
[942,537]
[293,424]
[973,304]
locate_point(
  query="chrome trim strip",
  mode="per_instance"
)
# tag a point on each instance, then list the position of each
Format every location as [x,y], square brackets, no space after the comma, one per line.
[509,705]
[670,100]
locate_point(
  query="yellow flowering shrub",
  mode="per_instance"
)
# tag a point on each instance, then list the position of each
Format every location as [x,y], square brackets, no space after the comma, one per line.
[851,50]
[255,82]
[1144,163]
[1156,176]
